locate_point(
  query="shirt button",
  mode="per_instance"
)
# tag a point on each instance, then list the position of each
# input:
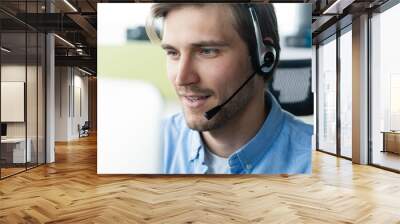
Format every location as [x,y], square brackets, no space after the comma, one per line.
[248,166]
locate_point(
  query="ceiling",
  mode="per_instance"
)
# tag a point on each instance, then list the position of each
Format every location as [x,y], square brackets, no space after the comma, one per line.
[76,25]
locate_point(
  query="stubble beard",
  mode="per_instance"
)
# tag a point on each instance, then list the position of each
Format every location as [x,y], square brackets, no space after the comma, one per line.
[227,114]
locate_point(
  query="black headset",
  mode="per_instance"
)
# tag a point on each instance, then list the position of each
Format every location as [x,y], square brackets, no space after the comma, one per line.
[266,53]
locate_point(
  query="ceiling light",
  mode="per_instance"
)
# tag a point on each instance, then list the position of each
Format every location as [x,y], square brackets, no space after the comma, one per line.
[70,5]
[5,49]
[64,40]
[84,71]
[338,6]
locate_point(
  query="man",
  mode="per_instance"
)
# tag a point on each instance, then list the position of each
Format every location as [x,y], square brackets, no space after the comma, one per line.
[229,124]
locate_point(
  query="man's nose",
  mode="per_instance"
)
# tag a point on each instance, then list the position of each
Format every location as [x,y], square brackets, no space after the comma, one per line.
[186,74]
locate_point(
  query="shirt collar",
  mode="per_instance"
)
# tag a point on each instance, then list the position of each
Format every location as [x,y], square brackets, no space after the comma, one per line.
[196,144]
[248,155]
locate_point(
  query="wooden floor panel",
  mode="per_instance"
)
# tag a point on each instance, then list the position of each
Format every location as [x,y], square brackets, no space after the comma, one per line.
[70,191]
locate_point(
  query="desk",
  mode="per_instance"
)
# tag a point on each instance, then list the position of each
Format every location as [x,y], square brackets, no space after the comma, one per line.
[391,141]
[17,150]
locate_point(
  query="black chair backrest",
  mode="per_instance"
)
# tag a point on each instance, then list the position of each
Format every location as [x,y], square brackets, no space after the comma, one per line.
[291,86]
[86,125]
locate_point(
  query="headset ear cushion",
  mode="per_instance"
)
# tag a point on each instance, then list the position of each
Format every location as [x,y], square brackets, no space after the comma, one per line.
[269,58]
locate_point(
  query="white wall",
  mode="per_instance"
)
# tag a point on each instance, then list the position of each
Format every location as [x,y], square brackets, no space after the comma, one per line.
[71,92]
[80,84]
[61,103]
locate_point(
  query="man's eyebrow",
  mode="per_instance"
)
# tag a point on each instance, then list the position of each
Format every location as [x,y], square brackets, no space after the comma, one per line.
[211,43]
[167,46]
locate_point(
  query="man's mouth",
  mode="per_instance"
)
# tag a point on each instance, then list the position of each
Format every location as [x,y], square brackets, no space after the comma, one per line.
[194,101]
[194,98]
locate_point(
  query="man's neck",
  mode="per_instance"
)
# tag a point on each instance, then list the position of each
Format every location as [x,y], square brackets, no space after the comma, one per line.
[239,130]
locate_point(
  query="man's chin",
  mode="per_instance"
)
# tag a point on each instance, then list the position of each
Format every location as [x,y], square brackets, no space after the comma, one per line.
[196,121]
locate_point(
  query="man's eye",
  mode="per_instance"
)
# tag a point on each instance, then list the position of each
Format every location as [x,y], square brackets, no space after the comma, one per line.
[171,53]
[210,52]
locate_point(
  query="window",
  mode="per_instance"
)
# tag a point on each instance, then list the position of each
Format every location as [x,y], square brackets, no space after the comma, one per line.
[327,96]
[385,89]
[346,93]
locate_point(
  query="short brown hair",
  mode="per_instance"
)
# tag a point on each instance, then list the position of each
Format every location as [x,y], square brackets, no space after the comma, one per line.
[243,23]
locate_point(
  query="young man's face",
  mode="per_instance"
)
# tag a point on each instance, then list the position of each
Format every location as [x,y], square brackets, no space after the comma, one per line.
[207,61]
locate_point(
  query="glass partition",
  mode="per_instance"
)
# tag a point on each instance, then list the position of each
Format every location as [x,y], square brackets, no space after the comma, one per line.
[41,91]
[23,91]
[14,153]
[31,100]
[33,57]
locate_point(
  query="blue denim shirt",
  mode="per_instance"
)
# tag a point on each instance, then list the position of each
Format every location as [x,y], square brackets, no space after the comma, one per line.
[281,146]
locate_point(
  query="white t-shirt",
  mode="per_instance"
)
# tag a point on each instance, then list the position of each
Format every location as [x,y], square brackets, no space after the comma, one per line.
[215,163]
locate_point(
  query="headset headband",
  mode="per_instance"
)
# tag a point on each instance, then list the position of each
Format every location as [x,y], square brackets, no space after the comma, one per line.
[265,51]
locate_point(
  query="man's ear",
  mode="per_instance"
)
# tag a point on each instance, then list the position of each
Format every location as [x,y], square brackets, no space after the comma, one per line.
[268,40]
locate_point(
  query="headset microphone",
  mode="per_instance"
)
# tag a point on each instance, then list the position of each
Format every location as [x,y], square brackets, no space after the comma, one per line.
[211,113]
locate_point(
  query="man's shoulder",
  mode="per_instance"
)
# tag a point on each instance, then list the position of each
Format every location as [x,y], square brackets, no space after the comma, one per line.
[297,127]
[299,137]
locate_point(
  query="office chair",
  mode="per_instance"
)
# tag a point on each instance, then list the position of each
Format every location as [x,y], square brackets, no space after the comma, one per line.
[291,86]
[84,130]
